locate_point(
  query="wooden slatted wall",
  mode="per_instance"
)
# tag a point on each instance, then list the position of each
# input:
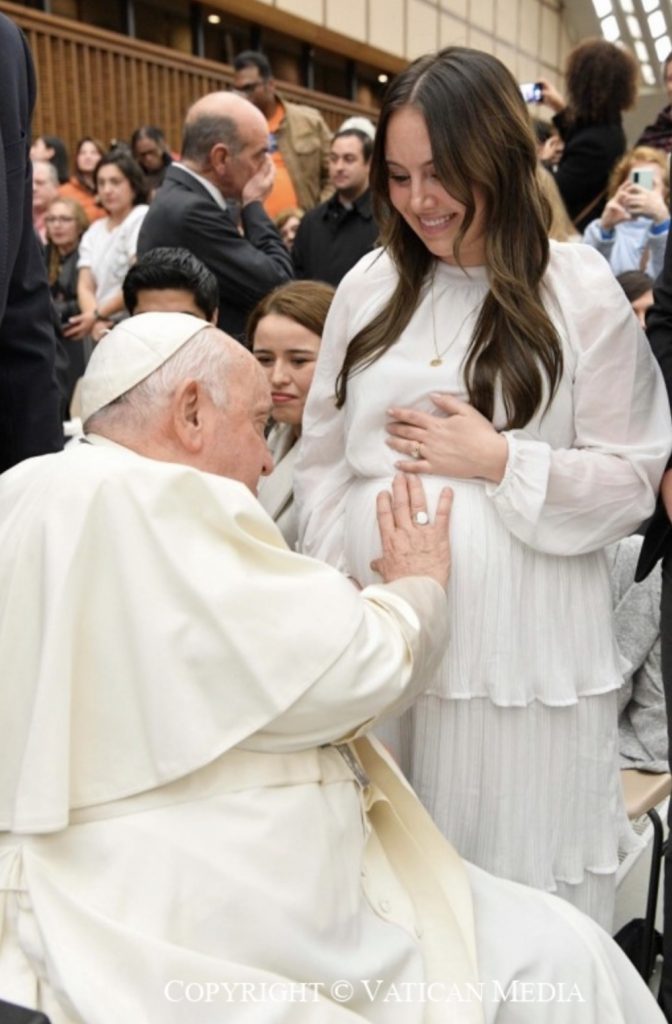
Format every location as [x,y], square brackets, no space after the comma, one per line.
[94,82]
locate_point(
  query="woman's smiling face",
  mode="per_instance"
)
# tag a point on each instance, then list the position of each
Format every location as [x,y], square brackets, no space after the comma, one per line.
[419,197]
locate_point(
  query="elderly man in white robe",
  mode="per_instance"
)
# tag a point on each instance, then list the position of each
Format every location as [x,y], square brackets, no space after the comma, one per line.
[195,829]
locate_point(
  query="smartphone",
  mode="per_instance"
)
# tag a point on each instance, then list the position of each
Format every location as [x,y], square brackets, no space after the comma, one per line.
[642,178]
[532,92]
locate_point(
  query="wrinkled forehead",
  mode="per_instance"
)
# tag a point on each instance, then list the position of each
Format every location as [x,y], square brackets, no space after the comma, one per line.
[259,390]
[247,379]
[41,174]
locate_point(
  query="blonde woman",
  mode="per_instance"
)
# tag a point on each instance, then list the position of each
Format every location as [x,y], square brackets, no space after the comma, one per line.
[65,223]
[287,224]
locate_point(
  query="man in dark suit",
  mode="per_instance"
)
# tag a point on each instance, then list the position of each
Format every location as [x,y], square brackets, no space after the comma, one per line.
[225,171]
[658,544]
[29,399]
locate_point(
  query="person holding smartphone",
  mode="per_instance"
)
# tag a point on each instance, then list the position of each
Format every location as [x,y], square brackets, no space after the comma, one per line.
[601,83]
[632,231]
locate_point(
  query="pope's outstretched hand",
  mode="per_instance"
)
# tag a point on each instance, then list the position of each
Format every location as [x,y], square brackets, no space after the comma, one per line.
[412,545]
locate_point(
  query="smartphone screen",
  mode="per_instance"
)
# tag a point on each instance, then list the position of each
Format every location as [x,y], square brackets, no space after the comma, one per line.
[532,92]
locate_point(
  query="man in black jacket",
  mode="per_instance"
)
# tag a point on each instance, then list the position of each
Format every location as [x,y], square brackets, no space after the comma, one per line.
[224,174]
[335,235]
[29,399]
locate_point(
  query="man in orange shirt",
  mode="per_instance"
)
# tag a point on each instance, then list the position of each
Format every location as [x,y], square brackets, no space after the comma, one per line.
[299,138]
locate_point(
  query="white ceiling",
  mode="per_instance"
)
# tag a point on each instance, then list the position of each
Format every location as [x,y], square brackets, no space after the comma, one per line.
[644,26]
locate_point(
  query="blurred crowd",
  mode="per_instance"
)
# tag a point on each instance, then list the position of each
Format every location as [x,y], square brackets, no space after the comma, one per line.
[315,198]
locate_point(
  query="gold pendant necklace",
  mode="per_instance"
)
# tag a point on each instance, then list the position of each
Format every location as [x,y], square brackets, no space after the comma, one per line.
[438,356]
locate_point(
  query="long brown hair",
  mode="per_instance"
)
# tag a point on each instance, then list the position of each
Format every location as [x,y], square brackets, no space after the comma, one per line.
[78,175]
[481,138]
[560,228]
[306,302]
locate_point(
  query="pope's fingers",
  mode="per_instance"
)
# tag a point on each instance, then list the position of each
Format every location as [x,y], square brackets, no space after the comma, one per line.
[401,501]
[416,495]
[443,508]
[384,514]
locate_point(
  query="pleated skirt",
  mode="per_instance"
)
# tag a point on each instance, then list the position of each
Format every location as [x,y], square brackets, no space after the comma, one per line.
[531,794]
[513,747]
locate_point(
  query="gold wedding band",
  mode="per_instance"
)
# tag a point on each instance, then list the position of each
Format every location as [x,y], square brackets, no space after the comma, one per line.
[416,451]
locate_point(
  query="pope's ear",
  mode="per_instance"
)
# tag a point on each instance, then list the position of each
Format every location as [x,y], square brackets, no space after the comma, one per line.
[187,414]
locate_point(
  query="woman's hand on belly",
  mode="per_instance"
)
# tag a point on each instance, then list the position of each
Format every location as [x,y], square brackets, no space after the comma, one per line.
[457,441]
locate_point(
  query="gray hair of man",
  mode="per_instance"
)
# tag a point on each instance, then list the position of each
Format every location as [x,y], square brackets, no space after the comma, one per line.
[52,173]
[203,358]
[203,132]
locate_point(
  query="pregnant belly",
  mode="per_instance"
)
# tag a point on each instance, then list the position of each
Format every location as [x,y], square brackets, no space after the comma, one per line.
[471,508]
[523,624]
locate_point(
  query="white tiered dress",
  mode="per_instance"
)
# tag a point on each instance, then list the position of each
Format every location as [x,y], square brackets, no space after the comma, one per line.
[513,747]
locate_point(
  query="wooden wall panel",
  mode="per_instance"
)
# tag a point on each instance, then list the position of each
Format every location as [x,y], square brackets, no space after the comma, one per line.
[94,82]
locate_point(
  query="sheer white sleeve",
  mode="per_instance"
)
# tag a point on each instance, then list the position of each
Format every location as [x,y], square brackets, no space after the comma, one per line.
[581,495]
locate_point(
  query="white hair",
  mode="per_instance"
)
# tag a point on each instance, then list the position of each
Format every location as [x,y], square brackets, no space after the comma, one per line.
[204,358]
[52,173]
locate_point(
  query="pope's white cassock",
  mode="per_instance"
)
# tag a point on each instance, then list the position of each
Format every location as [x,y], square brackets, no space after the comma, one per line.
[183,840]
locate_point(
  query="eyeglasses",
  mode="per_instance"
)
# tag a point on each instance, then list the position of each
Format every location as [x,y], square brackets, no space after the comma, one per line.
[248,87]
[59,220]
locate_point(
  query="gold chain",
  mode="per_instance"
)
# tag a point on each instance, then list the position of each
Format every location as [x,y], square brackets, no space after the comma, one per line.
[438,356]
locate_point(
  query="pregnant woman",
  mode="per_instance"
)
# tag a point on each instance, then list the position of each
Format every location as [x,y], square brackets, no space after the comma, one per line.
[476,353]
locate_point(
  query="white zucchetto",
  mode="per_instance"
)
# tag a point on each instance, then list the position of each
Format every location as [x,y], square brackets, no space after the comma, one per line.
[131,351]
